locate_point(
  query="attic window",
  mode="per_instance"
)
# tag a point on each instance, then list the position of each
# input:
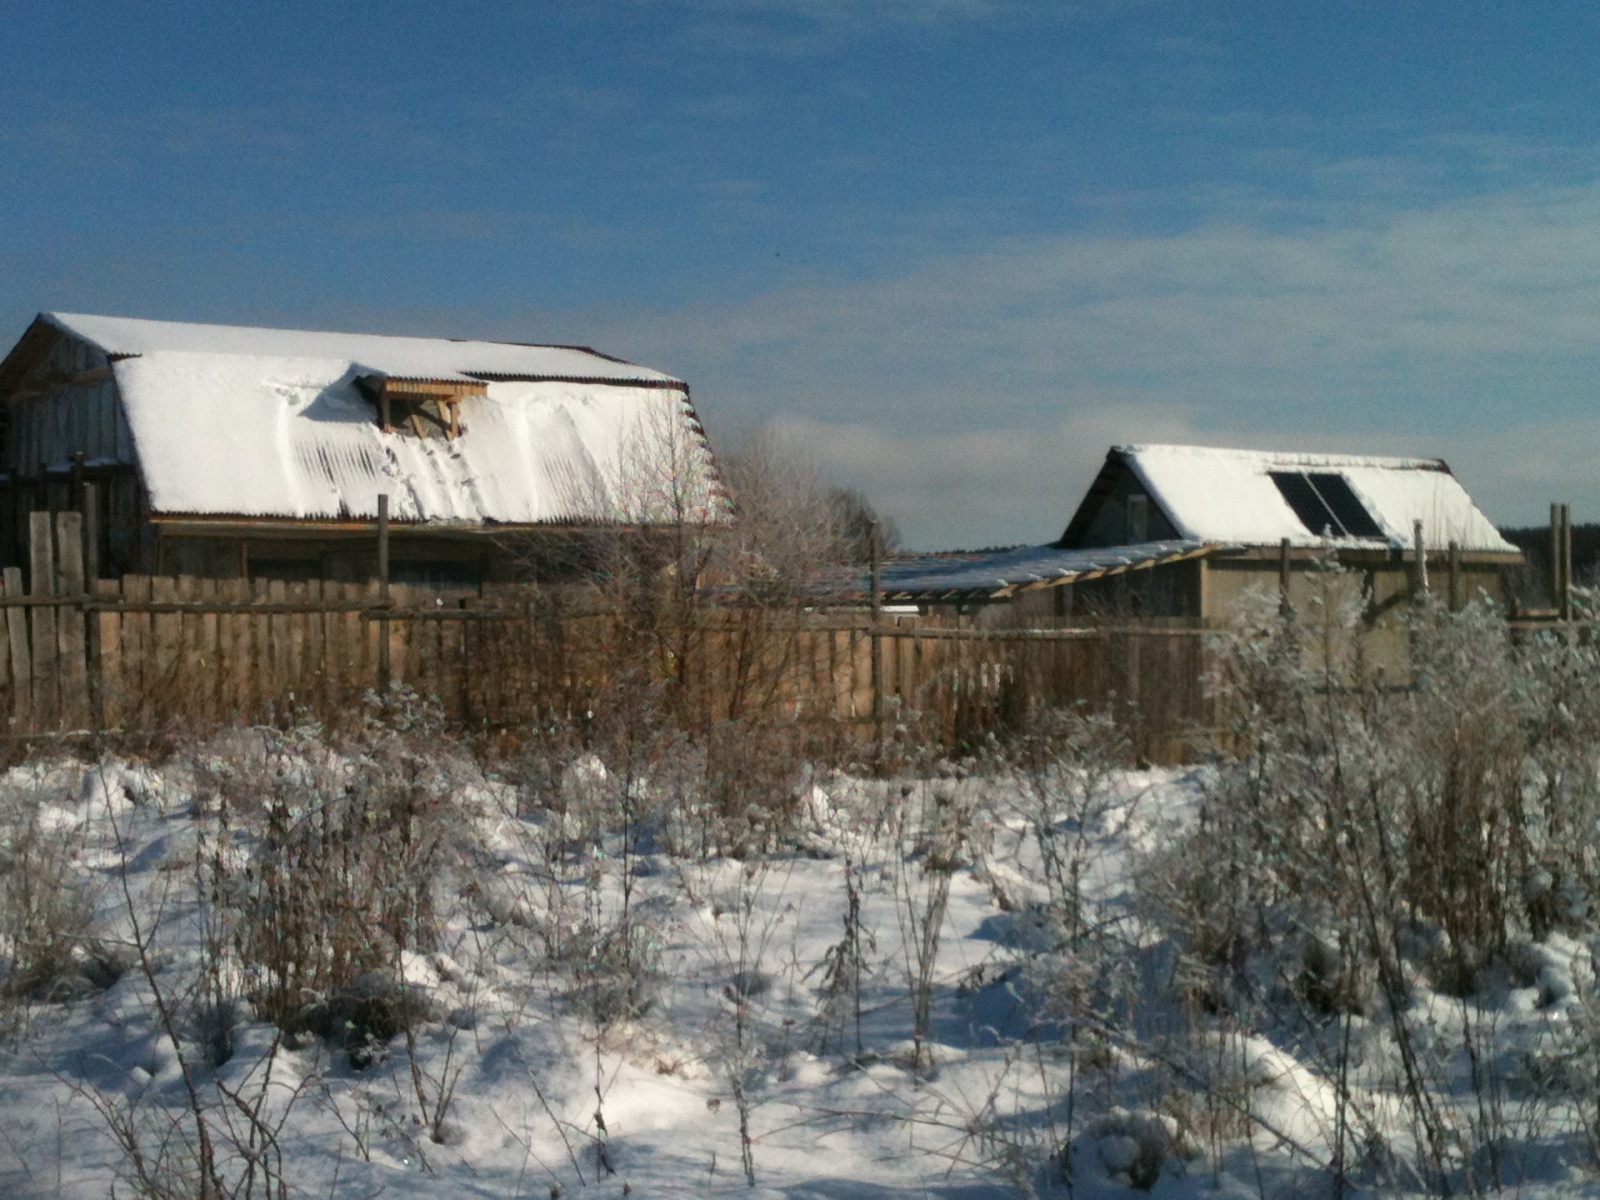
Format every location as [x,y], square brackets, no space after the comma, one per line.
[1325,504]
[423,408]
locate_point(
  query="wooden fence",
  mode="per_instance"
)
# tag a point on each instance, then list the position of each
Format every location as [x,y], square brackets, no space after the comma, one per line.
[157,652]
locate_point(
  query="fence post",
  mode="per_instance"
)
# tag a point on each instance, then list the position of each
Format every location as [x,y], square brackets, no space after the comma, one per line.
[1284,604]
[1566,562]
[70,621]
[876,644]
[1419,583]
[46,660]
[383,593]
[21,659]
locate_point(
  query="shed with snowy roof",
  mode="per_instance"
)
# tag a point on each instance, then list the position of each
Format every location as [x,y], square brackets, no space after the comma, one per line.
[1276,519]
[1183,531]
[223,451]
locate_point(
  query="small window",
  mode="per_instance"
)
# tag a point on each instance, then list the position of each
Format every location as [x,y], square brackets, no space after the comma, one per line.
[1325,504]
[1138,518]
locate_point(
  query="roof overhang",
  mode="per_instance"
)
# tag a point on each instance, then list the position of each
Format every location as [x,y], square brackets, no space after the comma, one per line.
[1034,568]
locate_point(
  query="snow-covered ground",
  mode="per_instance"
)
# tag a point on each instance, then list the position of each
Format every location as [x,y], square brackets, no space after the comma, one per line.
[595,1009]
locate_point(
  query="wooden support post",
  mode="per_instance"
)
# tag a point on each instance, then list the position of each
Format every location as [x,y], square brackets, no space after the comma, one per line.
[1555,556]
[72,622]
[16,632]
[77,481]
[1455,576]
[91,531]
[874,644]
[1419,585]
[1284,604]
[1566,562]
[46,659]
[383,593]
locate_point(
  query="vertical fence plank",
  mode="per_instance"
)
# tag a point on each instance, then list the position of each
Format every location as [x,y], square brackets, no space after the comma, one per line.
[233,641]
[165,666]
[187,698]
[208,684]
[71,640]
[297,686]
[46,654]
[108,654]
[21,715]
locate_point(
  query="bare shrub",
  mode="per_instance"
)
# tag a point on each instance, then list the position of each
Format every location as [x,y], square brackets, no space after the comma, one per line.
[343,854]
[46,914]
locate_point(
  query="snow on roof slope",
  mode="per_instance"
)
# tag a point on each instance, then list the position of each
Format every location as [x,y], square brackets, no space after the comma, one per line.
[403,357]
[1216,495]
[226,432]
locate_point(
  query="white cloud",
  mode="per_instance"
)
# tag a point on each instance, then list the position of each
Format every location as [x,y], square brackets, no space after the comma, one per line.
[971,395]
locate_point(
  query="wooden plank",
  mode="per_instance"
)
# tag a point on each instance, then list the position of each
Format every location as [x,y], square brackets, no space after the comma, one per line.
[163,676]
[279,651]
[351,639]
[71,635]
[374,670]
[399,636]
[105,658]
[21,658]
[259,671]
[237,676]
[210,691]
[46,654]
[313,671]
[135,638]
[299,686]
[186,701]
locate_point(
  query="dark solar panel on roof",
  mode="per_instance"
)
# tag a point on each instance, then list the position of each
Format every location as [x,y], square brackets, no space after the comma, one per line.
[1325,504]
[1303,498]
[1347,510]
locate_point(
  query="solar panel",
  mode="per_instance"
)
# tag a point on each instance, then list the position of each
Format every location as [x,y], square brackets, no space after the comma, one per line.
[1307,505]
[1325,504]
[1342,502]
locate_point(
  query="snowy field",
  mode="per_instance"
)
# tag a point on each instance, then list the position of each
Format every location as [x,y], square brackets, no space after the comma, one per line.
[963,982]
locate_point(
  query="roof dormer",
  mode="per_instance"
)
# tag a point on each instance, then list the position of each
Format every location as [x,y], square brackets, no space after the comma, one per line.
[423,408]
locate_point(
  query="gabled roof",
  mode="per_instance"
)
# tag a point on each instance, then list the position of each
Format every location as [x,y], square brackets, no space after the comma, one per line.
[1259,498]
[232,421]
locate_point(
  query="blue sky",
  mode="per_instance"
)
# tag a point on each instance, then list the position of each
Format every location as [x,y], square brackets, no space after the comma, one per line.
[953,248]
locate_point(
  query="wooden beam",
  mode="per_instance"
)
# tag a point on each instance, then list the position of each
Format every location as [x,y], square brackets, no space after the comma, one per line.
[428,388]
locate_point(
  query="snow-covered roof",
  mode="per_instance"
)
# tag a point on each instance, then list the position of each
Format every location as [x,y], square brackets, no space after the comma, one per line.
[997,575]
[399,357]
[271,422]
[1249,497]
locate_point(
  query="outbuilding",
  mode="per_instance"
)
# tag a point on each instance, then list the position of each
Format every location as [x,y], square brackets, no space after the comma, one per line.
[224,451]
[1182,532]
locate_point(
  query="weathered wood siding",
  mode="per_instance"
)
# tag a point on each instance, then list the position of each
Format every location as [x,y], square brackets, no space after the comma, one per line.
[161,652]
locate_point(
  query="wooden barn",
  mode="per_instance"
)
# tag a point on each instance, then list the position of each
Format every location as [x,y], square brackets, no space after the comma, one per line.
[225,452]
[1181,532]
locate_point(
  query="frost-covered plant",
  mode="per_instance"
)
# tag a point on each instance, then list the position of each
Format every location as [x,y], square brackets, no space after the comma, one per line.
[1373,833]
[330,860]
[45,912]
